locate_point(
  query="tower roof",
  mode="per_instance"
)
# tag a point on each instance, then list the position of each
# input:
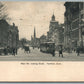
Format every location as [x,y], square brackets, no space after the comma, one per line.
[53,17]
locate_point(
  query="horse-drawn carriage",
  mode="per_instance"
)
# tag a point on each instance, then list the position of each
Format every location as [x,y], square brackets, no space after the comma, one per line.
[26,48]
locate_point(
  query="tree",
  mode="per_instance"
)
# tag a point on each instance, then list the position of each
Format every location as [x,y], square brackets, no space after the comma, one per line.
[3,12]
[23,41]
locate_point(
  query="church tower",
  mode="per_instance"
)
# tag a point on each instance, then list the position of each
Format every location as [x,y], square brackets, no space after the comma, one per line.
[52,28]
[53,17]
[53,23]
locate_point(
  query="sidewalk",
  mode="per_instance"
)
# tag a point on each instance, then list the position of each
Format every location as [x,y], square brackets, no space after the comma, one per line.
[73,54]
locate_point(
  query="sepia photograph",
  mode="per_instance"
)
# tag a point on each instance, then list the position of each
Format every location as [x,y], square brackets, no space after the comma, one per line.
[41,41]
[41,31]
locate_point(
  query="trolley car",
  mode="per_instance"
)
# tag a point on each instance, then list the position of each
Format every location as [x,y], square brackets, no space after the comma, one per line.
[48,47]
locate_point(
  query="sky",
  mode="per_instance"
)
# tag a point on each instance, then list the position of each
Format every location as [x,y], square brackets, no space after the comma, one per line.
[27,15]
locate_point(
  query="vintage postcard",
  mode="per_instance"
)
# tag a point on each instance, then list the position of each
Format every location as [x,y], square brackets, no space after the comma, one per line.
[41,41]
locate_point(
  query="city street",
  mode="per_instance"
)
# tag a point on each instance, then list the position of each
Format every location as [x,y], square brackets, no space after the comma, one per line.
[36,55]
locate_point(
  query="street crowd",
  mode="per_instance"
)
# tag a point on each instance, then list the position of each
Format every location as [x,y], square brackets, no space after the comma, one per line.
[14,51]
[77,51]
[8,50]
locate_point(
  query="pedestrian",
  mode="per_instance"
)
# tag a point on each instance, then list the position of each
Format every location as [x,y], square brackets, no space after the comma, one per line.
[14,51]
[60,52]
[33,47]
[53,53]
[5,51]
[29,49]
[38,47]
[74,50]
[8,49]
[78,51]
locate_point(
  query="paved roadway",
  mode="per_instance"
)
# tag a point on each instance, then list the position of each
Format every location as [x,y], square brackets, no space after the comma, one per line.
[36,55]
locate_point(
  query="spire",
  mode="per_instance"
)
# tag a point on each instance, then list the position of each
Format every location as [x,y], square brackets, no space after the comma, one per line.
[53,17]
[53,12]
[34,33]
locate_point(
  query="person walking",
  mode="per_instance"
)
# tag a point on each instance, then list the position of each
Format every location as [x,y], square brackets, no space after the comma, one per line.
[14,51]
[78,51]
[29,49]
[5,51]
[53,53]
[74,50]
[60,52]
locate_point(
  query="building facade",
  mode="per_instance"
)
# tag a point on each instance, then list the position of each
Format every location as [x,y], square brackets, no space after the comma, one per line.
[43,39]
[55,33]
[4,27]
[13,36]
[52,29]
[9,35]
[74,25]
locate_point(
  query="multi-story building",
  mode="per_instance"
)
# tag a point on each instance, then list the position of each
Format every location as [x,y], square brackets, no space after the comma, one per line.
[9,35]
[43,38]
[4,27]
[74,25]
[52,28]
[13,36]
[55,33]
[61,34]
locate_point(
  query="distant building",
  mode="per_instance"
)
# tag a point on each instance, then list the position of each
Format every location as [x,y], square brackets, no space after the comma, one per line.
[74,25]
[33,38]
[35,42]
[43,38]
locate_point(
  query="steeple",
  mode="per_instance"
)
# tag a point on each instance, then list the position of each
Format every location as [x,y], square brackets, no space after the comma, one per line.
[34,33]
[53,17]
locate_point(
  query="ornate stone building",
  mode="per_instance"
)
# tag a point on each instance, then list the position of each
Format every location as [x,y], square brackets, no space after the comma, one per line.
[52,29]
[55,33]
[74,25]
